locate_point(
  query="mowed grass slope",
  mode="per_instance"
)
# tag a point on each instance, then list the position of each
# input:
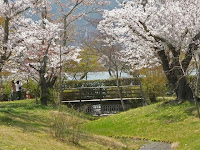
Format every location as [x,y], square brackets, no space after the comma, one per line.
[25,125]
[170,123]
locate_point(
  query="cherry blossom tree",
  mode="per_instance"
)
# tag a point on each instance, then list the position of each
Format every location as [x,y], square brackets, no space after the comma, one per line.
[38,54]
[157,32]
[39,45]
[10,10]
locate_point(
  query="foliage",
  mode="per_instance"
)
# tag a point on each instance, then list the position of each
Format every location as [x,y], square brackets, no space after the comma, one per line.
[88,63]
[7,88]
[145,27]
[192,81]
[154,83]
[59,124]
[30,86]
[98,83]
[156,32]
[37,45]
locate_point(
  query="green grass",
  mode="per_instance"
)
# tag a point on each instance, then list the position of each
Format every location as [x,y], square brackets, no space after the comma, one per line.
[27,126]
[169,123]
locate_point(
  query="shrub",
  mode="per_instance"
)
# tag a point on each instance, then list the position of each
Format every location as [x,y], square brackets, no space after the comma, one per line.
[30,86]
[7,89]
[65,126]
[154,83]
[59,126]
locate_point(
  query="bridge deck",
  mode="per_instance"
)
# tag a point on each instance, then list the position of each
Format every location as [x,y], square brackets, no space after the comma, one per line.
[97,100]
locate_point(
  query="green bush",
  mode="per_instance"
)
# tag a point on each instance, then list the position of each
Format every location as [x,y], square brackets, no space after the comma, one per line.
[154,83]
[5,91]
[7,88]
[30,86]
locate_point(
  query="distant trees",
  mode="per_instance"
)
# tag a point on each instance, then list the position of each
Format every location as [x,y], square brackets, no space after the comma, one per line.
[88,62]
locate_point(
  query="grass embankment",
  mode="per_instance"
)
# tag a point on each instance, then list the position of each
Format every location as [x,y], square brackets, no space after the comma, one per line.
[170,123]
[27,126]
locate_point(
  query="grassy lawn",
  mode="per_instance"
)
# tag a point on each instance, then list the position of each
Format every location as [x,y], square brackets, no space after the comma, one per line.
[27,126]
[24,125]
[170,123]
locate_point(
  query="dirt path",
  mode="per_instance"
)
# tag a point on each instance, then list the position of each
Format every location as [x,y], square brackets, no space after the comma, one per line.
[156,146]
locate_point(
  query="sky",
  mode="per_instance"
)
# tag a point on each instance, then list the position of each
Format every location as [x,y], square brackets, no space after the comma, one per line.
[84,26]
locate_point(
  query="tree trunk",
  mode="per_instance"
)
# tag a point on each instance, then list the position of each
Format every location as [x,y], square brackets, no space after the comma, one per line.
[5,54]
[84,75]
[176,77]
[1,66]
[183,90]
[180,85]
[44,94]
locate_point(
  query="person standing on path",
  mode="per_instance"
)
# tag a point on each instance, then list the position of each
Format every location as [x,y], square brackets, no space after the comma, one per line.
[13,90]
[18,90]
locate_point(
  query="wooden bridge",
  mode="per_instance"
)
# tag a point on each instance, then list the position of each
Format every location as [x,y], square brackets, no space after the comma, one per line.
[103,100]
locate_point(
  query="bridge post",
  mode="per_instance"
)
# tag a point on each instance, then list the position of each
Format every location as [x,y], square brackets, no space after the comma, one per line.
[121,97]
[101,97]
[80,96]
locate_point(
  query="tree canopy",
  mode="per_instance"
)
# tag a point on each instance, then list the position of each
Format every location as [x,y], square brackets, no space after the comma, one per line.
[157,32]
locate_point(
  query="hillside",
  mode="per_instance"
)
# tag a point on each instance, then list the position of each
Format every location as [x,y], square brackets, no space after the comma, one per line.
[27,126]
[177,124]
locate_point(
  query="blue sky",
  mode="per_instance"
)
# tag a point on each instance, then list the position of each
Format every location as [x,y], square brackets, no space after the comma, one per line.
[83,24]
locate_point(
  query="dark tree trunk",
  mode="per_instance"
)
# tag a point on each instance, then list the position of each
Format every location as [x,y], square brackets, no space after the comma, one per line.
[183,90]
[84,75]
[1,66]
[176,78]
[5,55]
[44,95]
[110,72]
[46,84]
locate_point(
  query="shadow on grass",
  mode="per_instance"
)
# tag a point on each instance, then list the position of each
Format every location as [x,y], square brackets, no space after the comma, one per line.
[26,104]
[190,111]
[171,118]
[173,111]
[27,122]
[18,115]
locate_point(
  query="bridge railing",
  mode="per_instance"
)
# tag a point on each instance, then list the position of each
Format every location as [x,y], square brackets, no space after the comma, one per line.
[101,93]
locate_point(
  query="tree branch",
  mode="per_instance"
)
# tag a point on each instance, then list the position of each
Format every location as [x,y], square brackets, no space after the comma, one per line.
[161,39]
[191,49]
